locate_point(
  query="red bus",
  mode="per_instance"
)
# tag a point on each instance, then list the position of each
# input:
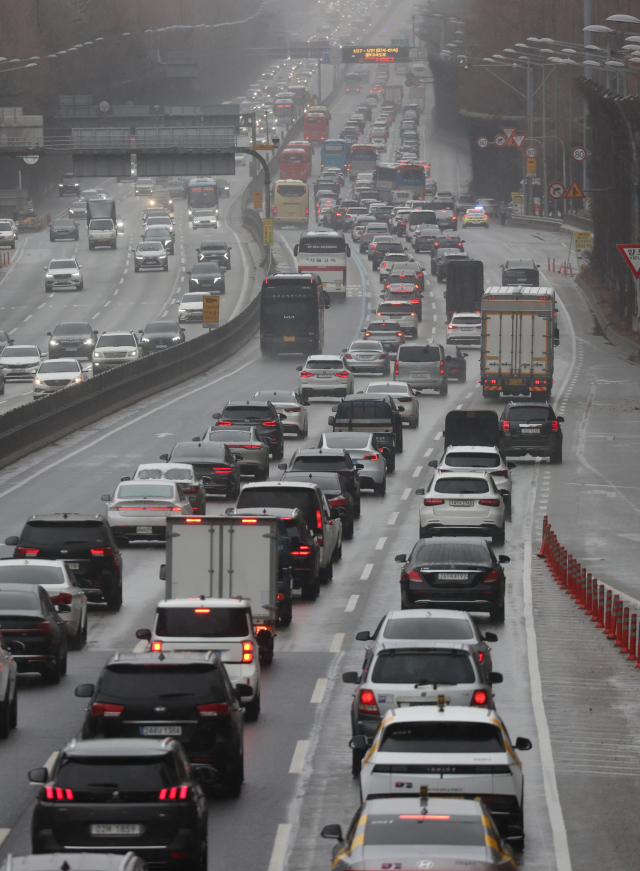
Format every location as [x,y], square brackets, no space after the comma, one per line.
[316,127]
[302,143]
[294,163]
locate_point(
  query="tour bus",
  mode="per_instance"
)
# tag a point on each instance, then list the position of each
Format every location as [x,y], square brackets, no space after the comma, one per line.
[202,193]
[292,314]
[334,153]
[325,252]
[411,178]
[291,203]
[315,127]
[284,110]
[362,158]
[294,163]
[302,143]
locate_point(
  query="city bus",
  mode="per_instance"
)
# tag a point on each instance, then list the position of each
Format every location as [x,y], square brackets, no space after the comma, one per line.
[292,314]
[291,203]
[412,178]
[294,163]
[334,153]
[284,110]
[325,252]
[386,175]
[362,158]
[202,193]
[315,127]
[302,143]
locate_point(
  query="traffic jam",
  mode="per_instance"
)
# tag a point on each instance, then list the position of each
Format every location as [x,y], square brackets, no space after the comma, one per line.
[174,627]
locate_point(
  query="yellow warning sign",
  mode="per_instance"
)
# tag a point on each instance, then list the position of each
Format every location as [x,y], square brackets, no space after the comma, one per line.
[517,198]
[210,310]
[575,192]
[262,146]
[583,243]
[531,166]
[257,199]
[267,232]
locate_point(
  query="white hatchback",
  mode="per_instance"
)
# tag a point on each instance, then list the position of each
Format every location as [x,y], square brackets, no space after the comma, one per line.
[465,503]
[325,375]
[404,396]
[291,404]
[465,328]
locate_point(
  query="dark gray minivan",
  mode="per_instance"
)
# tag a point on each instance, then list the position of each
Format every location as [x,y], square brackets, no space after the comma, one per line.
[423,367]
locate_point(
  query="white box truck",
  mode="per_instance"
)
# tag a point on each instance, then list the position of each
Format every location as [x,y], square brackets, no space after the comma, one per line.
[519,333]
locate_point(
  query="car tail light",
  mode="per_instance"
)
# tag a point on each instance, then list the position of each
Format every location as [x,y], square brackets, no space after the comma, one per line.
[56,793]
[554,426]
[62,599]
[505,425]
[194,519]
[366,335]
[216,709]
[175,792]
[102,709]
[223,470]
[101,551]
[415,301]
[413,575]
[27,551]
[305,374]
[480,698]
[348,357]
[247,651]
[493,575]
[189,490]
[442,367]
[395,368]
[224,423]
[341,374]
[292,410]
[275,209]
[156,646]
[338,502]
[304,550]
[249,520]
[451,326]
[268,423]
[367,702]
[430,502]
[492,503]
[480,656]
[372,457]
[307,210]
[502,474]
[41,628]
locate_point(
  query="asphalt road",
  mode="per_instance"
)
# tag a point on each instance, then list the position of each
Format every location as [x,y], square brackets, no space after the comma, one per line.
[564,686]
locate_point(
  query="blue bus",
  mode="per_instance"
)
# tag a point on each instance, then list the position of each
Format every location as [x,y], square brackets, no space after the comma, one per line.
[334,152]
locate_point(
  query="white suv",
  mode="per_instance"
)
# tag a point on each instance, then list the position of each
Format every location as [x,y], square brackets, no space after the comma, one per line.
[465,328]
[325,375]
[8,233]
[115,348]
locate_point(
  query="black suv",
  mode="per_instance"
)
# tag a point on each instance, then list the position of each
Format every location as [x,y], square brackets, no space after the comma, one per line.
[262,415]
[34,631]
[187,696]
[214,465]
[160,335]
[215,251]
[122,794]
[63,228]
[376,413]
[517,272]
[328,460]
[206,276]
[453,572]
[531,427]
[72,340]
[383,248]
[85,543]
[69,185]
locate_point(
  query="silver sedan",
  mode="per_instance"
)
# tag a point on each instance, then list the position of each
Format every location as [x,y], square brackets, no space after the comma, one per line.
[247,447]
[139,509]
[367,356]
[365,453]
[404,396]
[292,405]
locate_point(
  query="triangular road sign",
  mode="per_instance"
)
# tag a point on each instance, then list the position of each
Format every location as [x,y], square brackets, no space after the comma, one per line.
[631,254]
[508,132]
[574,192]
[519,138]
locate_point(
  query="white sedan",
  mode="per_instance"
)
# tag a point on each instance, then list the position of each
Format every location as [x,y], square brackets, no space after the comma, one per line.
[463,504]
[191,307]
[474,458]
[404,397]
[20,362]
[53,375]
[59,582]
[139,509]
[204,218]
[325,375]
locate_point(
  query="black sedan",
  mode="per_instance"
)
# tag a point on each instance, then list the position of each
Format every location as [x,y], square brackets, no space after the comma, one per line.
[37,632]
[223,187]
[453,572]
[210,460]
[63,228]
[206,276]
[215,251]
[160,335]
[454,359]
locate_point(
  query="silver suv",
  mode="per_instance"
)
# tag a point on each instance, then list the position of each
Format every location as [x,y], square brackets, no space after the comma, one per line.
[63,275]
[8,233]
[423,367]
[115,348]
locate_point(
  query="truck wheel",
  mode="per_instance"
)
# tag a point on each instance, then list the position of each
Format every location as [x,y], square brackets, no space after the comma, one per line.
[252,709]
[266,653]
[5,717]
[287,615]
[462,377]
[444,390]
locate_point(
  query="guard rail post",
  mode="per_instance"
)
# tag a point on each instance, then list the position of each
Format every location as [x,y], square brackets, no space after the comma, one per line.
[584,593]
[589,595]
[600,615]
[624,640]
[607,621]
[614,618]
[633,637]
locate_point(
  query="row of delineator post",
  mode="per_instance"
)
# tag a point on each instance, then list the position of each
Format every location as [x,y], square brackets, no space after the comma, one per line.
[606,609]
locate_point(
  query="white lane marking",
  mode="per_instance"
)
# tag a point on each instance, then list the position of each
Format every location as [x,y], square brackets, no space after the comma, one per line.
[336,644]
[108,302]
[433,305]
[140,647]
[469,395]
[42,305]
[27,318]
[435,317]
[125,271]
[458,407]
[366,571]
[417,471]
[280,846]
[318,694]
[125,425]
[4,833]
[95,316]
[438,436]
[392,518]
[122,281]
[433,329]
[428,452]
[297,762]
[351,604]
[381,542]
[406,493]
[115,292]
[14,330]
[165,313]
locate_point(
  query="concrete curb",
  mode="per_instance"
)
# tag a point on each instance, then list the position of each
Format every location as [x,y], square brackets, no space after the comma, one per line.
[609,332]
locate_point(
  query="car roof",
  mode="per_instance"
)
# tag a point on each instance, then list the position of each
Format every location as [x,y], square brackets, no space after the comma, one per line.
[67,517]
[25,561]
[520,264]
[455,807]
[160,465]
[169,657]
[268,485]
[422,644]
[324,357]
[12,588]
[317,452]
[481,449]
[106,747]
[77,861]
[427,613]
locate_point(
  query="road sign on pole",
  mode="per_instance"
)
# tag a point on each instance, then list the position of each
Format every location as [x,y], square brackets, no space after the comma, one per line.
[267,232]
[263,146]
[210,311]
[575,192]
[531,166]
[579,153]
[499,141]
[631,254]
[531,151]
[257,199]
[518,139]
[482,142]
[326,55]
[556,190]
[508,133]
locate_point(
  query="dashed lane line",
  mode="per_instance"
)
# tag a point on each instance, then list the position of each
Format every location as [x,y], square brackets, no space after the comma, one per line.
[318,694]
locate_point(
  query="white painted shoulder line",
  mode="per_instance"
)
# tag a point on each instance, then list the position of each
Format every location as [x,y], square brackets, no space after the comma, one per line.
[318,693]
[279,852]
[297,762]
[4,833]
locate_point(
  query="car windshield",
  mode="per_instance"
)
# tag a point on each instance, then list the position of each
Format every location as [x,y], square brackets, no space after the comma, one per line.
[79,205]
[71,329]
[418,354]
[177,473]
[14,600]
[428,629]
[162,327]
[205,213]
[151,246]
[442,738]
[247,412]
[141,491]
[395,308]
[67,225]
[157,233]
[58,366]
[116,341]
[30,574]
[101,224]
[161,681]
[63,264]
[20,352]
[423,667]
[361,409]
[213,246]
[524,413]
[203,622]
[193,297]
[124,774]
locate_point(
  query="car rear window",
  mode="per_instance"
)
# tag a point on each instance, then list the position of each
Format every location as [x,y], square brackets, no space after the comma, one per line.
[140,491]
[428,629]
[418,354]
[324,364]
[30,574]
[347,440]
[413,829]
[321,463]
[378,327]
[247,412]
[124,774]
[14,600]
[363,409]
[529,414]
[466,319]
[150,681]
[442,738]
[461,485]
[397,308]
[459,459]
[423,667]
[282,497]
[202,622]
[452,553]
[181,473]
[63,532]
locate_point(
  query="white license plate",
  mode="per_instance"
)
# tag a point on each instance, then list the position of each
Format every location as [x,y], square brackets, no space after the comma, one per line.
[415,704]
[144,530]
[75,567]
[161,347]
[116,829]
[453,576]
[150,731]
[324,376]
[531,432]
[461,503]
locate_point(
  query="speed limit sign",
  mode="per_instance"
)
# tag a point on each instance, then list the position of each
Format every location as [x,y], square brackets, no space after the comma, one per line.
[482,142]
[531,151]
[579,153]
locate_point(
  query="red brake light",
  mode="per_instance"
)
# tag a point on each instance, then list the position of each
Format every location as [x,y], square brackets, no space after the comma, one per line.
[341,374]
[348,357]
[304,550]
[554,426]
[413,575]
[62,599]
[370,457]
[102,709]
[27,551]
[101,551]
[503,474]
[367,702]
[224,423]
[479,699]
[202,610]
[305,374]
[58,794]
[395,368]
[424,817]
[338,502]
[249,520]
[318,518]
[505,425]
[268,423]
[247,651]
[492,576]
[217,709]
[480,656]
[194,519]
[174,792]
[431,502]
[156,645]
[492,503]
[223,470]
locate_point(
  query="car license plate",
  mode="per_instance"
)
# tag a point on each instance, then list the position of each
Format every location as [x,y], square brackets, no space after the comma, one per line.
[289,338]
[461,503]
[144,530]
[151,731]
[116,829]
[74,567]
[161,347]
[453,576]
[515,381]
[531,432]
[324,376]
[415,704]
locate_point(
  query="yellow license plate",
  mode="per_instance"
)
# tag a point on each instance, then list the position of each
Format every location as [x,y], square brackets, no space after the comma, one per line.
[515,381]
[289,338]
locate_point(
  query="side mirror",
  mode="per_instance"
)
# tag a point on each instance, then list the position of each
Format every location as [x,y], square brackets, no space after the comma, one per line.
[299,368]
[503,558]
[41,775]
[334,513]
[433,464]
[282,466]
[229,512]
[106,497]
[347,250]
[494,677]
[85,690]
[420,491]
[196,439]
[350,677]
[523,744]
[401,558]
[144,634]
[359,742]
[504,494]
[238,457]
[164,457]
[359,466]
[12,540]
[331,421]
[515,834]
[49,334]
[511,465]
[216,416]
[126,478]
[465,355]
[282,416]
[333,832]
[296,248]
[363,636]
[141,332]
[560,418]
